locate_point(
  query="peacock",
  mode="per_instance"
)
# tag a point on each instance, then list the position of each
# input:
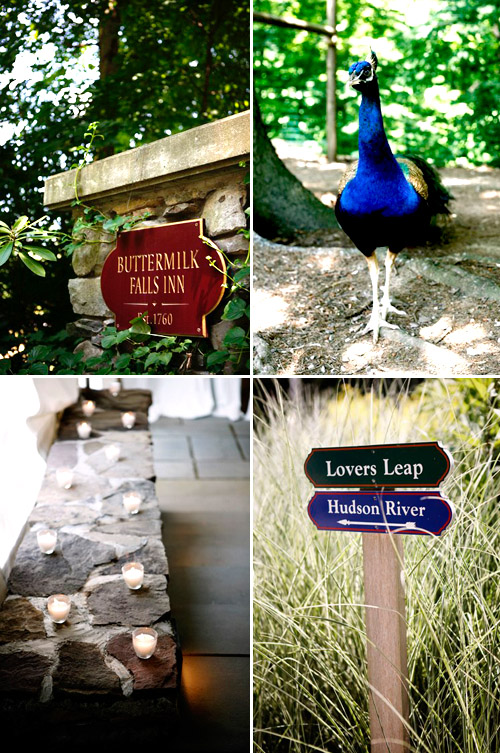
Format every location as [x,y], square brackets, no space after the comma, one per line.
[383,199]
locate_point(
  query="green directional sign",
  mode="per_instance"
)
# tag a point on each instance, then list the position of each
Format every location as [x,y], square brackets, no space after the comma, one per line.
[420,464]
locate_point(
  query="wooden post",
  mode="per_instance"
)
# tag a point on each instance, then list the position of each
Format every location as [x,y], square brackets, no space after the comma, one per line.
[331,74]
[386,634]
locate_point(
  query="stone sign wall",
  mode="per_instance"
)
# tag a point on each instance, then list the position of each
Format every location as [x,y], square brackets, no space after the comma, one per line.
[200,173]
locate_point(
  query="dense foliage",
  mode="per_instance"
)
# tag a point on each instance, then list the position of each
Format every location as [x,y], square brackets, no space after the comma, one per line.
[439,74]
[142,70]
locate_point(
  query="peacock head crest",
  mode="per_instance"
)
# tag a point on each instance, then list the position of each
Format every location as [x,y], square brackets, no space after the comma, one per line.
[362,73]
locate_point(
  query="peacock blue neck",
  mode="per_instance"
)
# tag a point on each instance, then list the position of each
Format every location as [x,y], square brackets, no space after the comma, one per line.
[375,155]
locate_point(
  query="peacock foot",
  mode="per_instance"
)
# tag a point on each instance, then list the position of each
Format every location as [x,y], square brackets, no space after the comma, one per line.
[375,322]
[386,307]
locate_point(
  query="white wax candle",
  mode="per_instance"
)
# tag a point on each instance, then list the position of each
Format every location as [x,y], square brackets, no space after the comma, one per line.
[112,452]
[88,407]
[128,419]
[133,575]
[84,429]
[58,607]
[132,502]
[47,540]
[144,643]
[115,388]
[64,477]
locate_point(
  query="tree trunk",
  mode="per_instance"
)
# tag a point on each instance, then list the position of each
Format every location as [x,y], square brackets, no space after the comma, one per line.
[282,206]
[109,39]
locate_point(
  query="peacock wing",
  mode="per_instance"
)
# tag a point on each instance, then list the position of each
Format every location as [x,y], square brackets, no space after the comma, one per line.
[348,175]
[414,176]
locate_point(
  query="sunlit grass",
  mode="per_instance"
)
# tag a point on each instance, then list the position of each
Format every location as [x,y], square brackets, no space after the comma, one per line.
[309,634]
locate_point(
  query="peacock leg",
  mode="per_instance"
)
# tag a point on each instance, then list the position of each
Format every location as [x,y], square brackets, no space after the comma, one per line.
[386,304]
[376,320]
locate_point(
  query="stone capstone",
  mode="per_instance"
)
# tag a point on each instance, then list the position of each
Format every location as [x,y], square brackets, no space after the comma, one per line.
[159,671]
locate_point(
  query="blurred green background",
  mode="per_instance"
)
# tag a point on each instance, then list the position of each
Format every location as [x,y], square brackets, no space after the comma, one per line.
[439,75]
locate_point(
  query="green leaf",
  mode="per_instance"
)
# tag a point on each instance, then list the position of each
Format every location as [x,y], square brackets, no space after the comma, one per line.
[235,309]
[38,368]
[5,252]
[33,266]
[140,352]
[122,336]
[235,336]
[20,224]
[165,358]
[42,252]
[152,359]
[217,357]
[108,341]
[241,274]
[122,361]
[39,353]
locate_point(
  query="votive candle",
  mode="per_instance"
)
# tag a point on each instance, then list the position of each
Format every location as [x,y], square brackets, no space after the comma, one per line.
[128,419]
[47,540]
[115,387]
[88,407]
[112,452]
[133,575]
[84,429]
[132,502]
[144,641]
[64,477]
[58,607]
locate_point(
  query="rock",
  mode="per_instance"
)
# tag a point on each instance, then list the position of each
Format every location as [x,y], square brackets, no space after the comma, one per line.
[218,332]
[151,555]
[159,671]
[184,209]
[63,454]
[235,245]
[23,672]
[20,621]
[86,298]
[85,327]
[65,571]
[223,211]
[82,668]
[91,255]
[113,603]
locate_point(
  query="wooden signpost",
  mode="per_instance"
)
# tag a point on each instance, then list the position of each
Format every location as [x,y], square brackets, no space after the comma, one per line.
[381,467]
[163,273]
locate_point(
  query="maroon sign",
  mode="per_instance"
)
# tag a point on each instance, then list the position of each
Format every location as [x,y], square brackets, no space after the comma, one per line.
[164,272]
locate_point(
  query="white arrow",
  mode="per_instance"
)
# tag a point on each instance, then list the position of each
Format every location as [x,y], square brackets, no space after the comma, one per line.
[409,524]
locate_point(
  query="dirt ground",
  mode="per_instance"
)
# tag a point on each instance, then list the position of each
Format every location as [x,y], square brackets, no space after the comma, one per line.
[311,302]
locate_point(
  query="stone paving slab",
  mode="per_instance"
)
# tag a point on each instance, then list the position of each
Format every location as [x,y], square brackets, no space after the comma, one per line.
[179,469]
[61,668]
[221,469]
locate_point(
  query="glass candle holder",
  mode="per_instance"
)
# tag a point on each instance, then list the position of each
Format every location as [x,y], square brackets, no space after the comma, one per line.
[144,640]
[58,607]
[47,540]
[133,575]
[128,419]
[115,388]
[132,502]
[84,429]
[64,477]
[112,452]
[88,408]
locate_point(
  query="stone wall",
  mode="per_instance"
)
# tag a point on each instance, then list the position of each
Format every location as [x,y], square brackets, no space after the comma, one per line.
[202,172]
[83,674]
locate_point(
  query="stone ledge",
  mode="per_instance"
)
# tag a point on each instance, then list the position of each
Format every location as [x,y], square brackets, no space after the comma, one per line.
[209,147]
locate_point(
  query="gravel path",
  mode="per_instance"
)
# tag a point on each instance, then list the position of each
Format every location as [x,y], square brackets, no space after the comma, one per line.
[310,302]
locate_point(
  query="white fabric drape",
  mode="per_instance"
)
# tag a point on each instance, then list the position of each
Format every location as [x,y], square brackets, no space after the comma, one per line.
[28,411]
[187,396]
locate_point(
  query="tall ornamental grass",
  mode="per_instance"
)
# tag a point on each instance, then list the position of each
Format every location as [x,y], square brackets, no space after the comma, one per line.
[310,679]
